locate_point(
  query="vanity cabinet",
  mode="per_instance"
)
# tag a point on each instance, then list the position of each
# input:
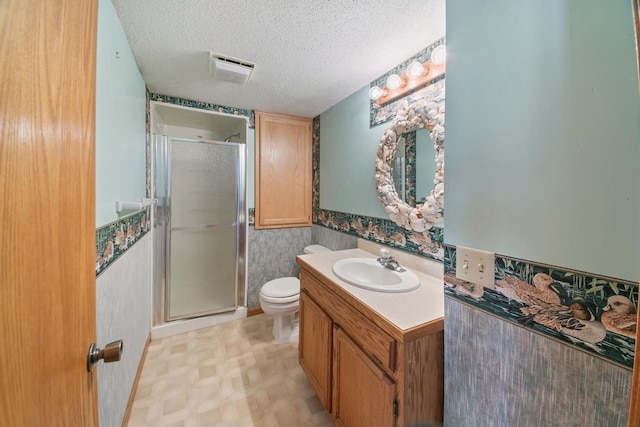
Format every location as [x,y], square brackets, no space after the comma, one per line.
[282,171]
[314,347]
[364,395]
[366,371]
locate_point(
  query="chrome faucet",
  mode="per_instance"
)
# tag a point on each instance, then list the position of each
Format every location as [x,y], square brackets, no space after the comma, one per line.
[387,261]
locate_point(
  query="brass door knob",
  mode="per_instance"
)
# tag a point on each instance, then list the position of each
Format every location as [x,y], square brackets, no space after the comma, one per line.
[112,352]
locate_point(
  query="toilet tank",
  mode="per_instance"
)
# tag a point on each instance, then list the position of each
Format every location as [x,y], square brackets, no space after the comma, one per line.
[314,249]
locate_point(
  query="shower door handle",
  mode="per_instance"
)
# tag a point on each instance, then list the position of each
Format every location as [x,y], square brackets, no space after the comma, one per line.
[112,352]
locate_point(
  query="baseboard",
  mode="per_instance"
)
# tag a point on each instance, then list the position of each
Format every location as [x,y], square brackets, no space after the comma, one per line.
[134,388]
[254,311]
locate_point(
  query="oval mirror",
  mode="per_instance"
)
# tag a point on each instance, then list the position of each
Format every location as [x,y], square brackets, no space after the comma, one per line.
[414,166]
[426,112]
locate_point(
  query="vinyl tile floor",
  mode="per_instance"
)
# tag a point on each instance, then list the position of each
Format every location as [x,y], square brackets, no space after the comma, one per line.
[229,375]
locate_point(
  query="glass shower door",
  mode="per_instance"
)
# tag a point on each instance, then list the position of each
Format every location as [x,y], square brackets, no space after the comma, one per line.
[202,246]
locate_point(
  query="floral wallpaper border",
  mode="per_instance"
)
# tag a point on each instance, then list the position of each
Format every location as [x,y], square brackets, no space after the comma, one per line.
[592,313]
[315,164]
[427,244]
[117,237]
[204,106]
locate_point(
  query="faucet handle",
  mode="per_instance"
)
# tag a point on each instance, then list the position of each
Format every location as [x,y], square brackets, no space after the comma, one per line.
[384,253]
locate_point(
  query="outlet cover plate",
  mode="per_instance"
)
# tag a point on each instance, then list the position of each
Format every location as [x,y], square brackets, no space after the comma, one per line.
[476,266]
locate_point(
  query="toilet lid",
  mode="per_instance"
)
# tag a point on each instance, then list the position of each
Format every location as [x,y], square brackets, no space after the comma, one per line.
[281,288]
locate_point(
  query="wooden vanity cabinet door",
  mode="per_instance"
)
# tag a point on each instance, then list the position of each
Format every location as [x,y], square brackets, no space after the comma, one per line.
[282,171]
[363,395]
[314,348]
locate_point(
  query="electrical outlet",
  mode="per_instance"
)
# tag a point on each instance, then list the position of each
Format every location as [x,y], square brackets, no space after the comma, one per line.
[475,266]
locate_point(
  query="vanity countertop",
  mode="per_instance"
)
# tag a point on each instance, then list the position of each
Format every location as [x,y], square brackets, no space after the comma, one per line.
[406,310]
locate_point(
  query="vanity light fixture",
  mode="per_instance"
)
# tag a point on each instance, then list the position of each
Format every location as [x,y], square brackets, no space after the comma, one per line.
[394,82]
[439,55]
[415,69]
[375,93]
[416,75]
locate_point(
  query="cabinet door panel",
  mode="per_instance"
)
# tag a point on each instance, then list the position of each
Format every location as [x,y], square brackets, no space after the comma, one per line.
[282,171]
[363,394]
[314,348]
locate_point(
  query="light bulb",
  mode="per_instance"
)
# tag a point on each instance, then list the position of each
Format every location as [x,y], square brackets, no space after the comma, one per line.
[394,82]
[375,93]
[439,55]
[415,69]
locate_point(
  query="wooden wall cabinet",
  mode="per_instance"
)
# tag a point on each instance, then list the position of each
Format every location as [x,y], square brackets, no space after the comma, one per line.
[282,171]
[366,371]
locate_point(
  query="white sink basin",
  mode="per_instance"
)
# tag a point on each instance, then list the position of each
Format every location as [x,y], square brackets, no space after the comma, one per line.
[370,274]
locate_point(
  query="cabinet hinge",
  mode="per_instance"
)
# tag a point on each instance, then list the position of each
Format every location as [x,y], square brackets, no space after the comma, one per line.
[396,409]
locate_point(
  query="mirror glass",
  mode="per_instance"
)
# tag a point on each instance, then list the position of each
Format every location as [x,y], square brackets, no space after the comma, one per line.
[410,186]
[414,166]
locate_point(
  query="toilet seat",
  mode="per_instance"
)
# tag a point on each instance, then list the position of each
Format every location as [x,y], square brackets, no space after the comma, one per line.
[276,301]
[282,290]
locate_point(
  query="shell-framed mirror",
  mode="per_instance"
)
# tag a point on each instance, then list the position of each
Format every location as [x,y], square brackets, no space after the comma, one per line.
[424,112]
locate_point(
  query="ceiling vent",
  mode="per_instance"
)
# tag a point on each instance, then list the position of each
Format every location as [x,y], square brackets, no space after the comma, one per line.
[227,69]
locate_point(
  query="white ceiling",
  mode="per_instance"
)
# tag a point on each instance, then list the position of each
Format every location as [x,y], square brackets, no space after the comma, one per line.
[309,55]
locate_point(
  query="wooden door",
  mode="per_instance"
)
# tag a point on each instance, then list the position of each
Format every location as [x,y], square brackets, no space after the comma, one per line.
[314,348]
[47,212]
[634,409]
[282,171]
[363,395]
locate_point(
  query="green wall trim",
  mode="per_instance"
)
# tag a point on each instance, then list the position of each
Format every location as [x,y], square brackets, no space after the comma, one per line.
[115,238]
[427,244]
[515,299]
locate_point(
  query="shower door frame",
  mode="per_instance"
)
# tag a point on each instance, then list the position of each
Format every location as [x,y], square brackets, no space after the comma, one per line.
[161,185]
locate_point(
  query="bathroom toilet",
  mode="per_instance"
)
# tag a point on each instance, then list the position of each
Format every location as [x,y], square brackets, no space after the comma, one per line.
[280,298]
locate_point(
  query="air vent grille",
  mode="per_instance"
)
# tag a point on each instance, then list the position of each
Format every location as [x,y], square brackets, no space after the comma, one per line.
[234,70]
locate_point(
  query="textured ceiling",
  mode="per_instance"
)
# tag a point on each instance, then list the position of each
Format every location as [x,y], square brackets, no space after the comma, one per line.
[309,55]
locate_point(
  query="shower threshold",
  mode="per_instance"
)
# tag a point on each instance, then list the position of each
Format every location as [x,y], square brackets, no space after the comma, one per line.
[176,327]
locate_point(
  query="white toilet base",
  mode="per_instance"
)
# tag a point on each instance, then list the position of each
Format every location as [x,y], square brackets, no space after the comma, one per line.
[285,328]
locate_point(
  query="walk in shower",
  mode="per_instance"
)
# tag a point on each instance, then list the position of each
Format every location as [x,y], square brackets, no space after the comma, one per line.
[199,176]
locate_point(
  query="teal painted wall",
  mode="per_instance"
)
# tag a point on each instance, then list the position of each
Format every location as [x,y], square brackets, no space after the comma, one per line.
[347,157]
[542,156]
[543,131]
[123,291]
[120,119]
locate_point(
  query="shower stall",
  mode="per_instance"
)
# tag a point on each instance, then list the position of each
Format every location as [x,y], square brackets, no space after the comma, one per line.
[199,176]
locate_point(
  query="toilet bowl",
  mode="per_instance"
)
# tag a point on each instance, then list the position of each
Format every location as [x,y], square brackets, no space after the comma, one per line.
[280,298]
